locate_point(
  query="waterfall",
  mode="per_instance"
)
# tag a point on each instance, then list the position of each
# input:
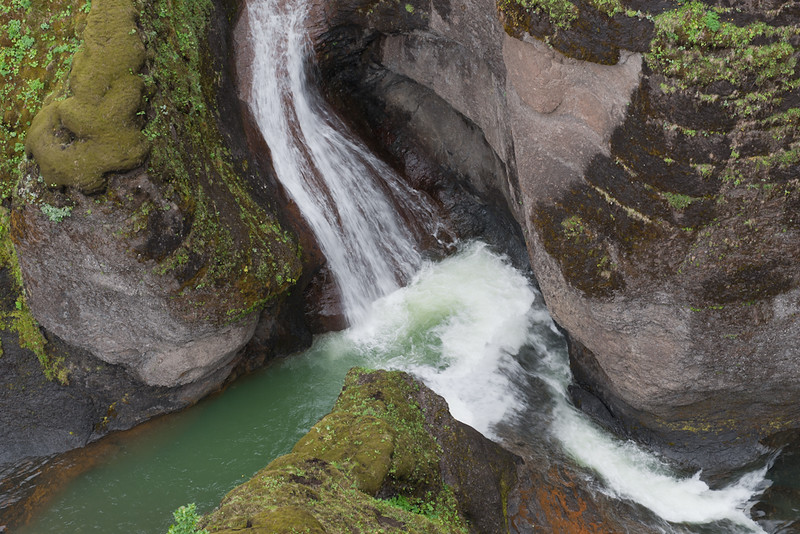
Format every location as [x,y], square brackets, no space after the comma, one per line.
[462,342]
[351,200]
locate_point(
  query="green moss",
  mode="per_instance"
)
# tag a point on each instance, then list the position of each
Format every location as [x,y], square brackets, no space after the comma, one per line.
[561,12]
[694,47]
[37,41]
[678,201]
[235,240]
[374,442]
[95,130]
[19,319]
[609,7]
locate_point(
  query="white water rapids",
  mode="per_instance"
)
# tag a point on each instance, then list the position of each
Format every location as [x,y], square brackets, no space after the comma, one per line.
[458,324]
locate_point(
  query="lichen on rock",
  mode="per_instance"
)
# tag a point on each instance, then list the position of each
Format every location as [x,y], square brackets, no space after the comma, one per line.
[95,130]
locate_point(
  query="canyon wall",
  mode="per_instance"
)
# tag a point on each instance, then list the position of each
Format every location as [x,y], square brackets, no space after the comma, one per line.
[649,154]
[157,270]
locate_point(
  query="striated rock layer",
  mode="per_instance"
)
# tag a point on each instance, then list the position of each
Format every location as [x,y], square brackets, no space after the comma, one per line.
[648,153]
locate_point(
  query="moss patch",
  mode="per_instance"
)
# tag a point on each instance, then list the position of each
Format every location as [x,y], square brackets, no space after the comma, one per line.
[236,256]
[95,130]
[19,319]
[37,42]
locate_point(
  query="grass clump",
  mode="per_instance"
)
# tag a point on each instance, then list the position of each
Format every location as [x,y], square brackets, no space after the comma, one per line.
[678,201]
[186,519]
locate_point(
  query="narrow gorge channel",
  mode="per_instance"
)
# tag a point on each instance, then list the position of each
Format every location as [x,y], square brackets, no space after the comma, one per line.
[471,326]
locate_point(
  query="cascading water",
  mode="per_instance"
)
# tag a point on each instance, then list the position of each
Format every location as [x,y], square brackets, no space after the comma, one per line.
[336,184]
[349,197]
[629,472]
[471,327]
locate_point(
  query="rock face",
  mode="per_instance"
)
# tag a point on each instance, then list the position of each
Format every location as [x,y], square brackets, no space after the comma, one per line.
[155,285]
[90,287]
[656,191]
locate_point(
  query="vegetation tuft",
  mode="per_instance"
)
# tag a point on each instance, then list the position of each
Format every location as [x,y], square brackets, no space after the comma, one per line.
[186,519]
[19,318]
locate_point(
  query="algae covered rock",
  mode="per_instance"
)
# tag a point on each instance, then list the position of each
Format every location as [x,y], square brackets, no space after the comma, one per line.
[388,458]
[96,130]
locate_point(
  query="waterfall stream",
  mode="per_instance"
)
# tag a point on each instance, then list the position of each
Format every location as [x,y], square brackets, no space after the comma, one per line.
[345,193]
[352,200]
[465,325]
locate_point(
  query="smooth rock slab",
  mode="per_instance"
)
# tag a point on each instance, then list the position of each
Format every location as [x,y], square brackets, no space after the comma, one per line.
[88,285]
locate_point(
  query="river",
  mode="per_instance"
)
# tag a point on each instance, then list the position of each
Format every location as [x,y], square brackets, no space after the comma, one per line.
[473,329]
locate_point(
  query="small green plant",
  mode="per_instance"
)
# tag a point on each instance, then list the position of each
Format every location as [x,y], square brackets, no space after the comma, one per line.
[409,8]
[573,227]
[415,506]
[711,21]
[186,519]
[56,214]
[678,201]
[561,12]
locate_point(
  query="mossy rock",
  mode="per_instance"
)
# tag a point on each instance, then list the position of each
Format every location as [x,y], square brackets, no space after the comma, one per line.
[374,464]
[364,444]
[76,141]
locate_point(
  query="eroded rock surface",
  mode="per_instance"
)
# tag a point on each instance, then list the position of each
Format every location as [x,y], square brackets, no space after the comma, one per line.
[87,285]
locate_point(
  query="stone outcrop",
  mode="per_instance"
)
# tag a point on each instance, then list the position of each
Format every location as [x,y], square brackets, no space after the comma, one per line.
[89,286]
[391,458]
[656,192]
[153,284]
